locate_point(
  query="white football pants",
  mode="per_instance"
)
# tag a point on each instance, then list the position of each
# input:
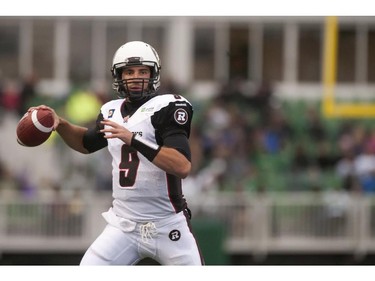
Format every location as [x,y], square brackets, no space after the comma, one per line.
[168,241]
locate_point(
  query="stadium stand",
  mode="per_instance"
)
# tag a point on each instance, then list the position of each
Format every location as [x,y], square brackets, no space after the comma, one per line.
[272,175]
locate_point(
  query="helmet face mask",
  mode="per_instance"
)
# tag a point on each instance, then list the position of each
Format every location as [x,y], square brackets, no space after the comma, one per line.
[135,53]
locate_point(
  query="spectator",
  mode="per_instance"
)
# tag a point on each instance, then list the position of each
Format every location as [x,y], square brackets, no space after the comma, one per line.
[315,127]
[326,158]
[27,93]
[262,99]
[10,97]
[300,158]
[345,170]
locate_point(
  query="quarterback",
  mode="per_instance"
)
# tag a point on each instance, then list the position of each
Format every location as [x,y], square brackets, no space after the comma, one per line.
[146,133]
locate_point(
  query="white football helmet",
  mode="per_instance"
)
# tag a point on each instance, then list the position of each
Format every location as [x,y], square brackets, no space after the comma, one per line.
[133,54]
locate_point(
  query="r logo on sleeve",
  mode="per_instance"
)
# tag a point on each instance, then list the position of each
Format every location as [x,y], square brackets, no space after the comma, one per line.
[181,116]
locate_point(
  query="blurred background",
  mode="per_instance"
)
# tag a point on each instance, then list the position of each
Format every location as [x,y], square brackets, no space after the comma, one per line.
[277,177]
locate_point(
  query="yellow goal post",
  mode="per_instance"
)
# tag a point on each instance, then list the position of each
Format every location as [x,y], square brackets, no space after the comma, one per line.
[330,107]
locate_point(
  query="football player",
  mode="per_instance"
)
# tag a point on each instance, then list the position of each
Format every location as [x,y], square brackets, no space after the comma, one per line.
[146,133]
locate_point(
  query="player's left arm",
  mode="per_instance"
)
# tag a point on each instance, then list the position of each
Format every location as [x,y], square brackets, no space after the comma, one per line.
[174,156]
[172,125]
[173,162]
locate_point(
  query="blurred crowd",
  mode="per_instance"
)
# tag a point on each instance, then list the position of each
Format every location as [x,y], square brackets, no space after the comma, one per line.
[244,139]
[252,141]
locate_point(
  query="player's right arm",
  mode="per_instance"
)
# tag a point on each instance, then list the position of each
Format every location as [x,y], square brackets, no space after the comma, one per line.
[72,134]
[82,139]
[79,138]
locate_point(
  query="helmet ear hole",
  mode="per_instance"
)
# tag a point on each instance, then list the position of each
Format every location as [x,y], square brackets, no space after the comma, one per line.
[114,73]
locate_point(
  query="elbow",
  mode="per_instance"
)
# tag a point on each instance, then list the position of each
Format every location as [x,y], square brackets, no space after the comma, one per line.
[80,149]
[184,170]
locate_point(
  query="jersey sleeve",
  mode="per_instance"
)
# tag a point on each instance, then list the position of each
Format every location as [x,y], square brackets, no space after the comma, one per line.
[175,118]
[94,140]
[172,125]
[179,142]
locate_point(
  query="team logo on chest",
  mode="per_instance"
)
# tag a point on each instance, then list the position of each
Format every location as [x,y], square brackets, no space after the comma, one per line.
[147,110]
[175,235]
[181,116]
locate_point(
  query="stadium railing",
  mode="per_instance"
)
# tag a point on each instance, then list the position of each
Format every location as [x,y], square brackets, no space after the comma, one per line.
[258,224]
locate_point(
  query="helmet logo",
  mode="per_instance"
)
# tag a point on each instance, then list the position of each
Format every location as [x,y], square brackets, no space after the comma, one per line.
[132,60]
[181,116]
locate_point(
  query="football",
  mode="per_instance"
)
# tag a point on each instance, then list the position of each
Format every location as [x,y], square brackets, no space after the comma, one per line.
[35,127]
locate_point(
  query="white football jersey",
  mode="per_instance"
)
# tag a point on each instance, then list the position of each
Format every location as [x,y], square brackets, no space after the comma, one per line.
[141,190]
